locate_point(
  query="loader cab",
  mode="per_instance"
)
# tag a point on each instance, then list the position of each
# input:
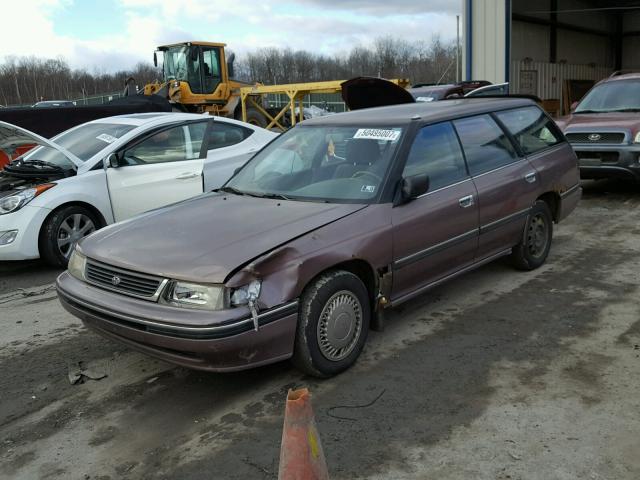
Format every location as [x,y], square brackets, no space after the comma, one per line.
[199,65]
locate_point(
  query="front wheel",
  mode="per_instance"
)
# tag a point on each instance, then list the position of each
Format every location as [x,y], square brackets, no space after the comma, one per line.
[333,324]
[533,249]
[62,230]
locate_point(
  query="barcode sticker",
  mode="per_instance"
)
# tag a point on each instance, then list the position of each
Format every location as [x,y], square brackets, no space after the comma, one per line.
[377,134]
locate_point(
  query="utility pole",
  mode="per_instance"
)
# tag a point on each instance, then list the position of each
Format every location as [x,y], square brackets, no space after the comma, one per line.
[457,48]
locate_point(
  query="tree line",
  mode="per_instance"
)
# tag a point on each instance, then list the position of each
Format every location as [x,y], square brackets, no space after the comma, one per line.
[26,80]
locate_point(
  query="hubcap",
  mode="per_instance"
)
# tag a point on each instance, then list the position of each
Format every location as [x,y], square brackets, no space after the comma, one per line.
[340,325]
[537,236]
[72,229]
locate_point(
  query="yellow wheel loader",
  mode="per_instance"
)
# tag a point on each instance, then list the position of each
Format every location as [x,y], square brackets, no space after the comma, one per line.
[197,78]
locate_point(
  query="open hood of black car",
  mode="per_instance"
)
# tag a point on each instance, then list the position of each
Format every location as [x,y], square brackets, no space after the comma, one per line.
[367,92]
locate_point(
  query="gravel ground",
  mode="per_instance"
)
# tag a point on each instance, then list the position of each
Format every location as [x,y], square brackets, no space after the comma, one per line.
[498,374]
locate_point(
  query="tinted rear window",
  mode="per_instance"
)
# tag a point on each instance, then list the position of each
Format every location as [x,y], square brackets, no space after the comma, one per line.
[485,144]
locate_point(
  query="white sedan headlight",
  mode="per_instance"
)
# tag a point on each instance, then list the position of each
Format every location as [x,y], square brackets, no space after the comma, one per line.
[77,265]
[637,139]
[17,200]
[193,295]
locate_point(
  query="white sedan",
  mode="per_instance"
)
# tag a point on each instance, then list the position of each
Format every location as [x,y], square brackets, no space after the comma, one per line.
[108,170]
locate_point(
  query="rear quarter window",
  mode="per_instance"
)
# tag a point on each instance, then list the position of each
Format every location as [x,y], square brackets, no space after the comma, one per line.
[531,128]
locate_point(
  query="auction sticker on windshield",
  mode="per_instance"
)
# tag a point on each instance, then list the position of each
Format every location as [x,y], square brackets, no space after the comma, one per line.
[106,138]
[377,134]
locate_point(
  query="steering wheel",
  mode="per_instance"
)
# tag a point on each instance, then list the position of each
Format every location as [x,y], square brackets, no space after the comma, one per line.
[365,173]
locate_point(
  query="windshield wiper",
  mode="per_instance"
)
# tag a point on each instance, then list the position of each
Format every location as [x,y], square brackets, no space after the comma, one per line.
[590,111]
[41,163]
[278,196]
[633,109]
[233,190]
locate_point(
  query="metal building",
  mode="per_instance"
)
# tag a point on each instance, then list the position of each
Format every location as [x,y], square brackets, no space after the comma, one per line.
[547,47]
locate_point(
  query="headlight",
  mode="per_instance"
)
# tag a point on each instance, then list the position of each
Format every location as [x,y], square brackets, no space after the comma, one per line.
[192,295]
[77,265]
[637,139]
[19,199]
[245,294]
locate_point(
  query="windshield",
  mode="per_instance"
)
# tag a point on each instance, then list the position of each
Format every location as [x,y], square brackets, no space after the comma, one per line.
[84,142]
[615,96]
[175,63]
[329,164]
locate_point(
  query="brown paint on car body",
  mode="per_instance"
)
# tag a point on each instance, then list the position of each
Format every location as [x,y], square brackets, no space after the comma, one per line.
[220,238]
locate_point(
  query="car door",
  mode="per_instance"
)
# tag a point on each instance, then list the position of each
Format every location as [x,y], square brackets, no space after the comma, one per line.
[164,167]
[437,233]
[505,181]
[229,147]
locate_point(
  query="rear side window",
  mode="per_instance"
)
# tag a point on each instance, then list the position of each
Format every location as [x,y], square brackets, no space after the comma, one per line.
[531,128]
[436,152]
[485,144]
[224,135]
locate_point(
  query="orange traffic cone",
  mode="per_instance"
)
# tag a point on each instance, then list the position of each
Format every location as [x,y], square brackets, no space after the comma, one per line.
[301,456]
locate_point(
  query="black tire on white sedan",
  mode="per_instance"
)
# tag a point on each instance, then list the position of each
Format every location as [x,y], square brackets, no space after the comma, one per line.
[333,324]
[62,230]
[533,249]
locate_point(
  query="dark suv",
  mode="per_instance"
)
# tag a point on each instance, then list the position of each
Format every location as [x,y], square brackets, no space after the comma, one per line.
[604,128]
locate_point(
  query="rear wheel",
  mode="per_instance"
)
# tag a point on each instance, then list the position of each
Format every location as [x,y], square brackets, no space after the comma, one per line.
[62,230]
[533,249]
[333,324]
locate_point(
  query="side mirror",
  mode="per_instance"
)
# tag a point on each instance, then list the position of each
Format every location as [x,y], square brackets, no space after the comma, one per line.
[573,106]
[155,60]
[412,187]
[113,160]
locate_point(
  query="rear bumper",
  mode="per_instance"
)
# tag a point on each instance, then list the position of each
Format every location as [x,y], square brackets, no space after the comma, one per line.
[222,345]
[569,201]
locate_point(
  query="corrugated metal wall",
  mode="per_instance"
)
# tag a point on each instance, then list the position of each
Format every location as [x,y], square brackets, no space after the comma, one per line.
[545,79]
[488,39]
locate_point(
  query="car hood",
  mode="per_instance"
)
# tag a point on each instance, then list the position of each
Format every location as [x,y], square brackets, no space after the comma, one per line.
[594,121]
[368,92]
[13,136]
[208,237]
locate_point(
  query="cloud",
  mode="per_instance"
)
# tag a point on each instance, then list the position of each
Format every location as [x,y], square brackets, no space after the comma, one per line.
[382,8]
[321,26]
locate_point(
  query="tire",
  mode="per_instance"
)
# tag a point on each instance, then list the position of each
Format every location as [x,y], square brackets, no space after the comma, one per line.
[533,249]
[254,117]
[62,230]
[322,348]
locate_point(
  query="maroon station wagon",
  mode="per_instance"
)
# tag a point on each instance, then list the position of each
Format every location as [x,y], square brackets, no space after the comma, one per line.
[339,218]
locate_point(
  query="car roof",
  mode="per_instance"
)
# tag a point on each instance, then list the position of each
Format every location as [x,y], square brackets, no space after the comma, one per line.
[622,76]
[424,111]
[140,119]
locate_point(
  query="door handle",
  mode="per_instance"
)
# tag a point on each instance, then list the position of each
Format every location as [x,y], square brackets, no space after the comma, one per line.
[530,177]
[466,201]
[187,176]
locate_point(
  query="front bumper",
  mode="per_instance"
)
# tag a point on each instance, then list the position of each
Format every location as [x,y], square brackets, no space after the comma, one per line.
[27,221]
[212,341]
[604,161]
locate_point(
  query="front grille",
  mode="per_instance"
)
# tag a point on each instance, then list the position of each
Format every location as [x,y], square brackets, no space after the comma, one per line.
[124,281]
[596,137]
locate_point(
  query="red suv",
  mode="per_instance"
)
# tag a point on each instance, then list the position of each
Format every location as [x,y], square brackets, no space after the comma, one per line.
[604,128]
